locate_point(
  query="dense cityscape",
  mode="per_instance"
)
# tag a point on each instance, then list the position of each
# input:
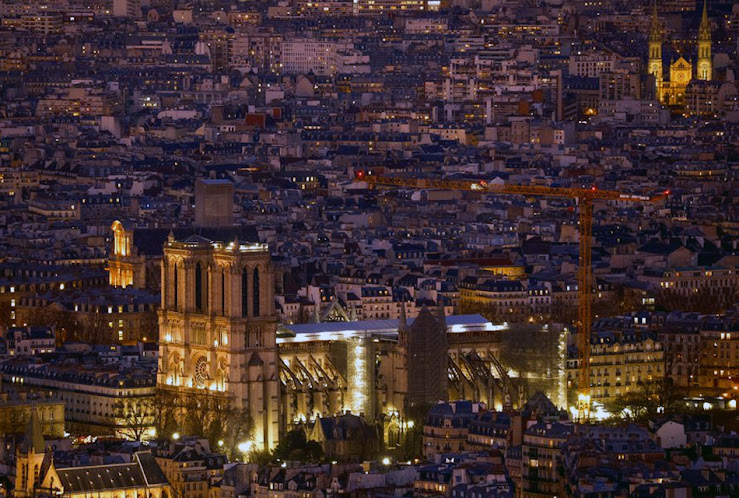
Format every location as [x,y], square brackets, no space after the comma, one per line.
[369,248]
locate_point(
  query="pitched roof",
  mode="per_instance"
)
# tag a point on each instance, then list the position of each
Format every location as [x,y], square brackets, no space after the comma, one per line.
[142,472]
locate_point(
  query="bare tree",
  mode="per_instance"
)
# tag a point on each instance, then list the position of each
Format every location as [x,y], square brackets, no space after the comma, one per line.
[149,327]
[489,311]
[135,418]
[239,427]
[14,420]
[165,410]
[216,418]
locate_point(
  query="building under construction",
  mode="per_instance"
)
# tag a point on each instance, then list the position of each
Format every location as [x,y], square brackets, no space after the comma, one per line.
[380,368]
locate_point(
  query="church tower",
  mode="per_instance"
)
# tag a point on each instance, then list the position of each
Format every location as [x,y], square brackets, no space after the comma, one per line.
[217,328]
[30,458]
[655,48]
[705,66]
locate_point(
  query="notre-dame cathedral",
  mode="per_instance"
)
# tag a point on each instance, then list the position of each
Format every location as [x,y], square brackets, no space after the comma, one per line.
[217,327]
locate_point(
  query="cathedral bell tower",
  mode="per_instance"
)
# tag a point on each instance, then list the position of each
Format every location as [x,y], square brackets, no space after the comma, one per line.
[705,66]
[655,48]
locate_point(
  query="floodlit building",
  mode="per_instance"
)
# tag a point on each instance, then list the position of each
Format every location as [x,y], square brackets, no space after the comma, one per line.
[672,91]
[620,362]
[218,329]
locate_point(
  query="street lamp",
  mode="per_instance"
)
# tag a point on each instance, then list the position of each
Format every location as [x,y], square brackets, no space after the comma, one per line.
[246,446]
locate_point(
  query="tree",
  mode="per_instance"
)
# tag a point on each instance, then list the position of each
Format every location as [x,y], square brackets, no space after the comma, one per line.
[411,445]
[239,427]
[148,327]
[63,321]
[296,446]
[5,314]
[644,403]
[261,457]
[135,417]
[164,411]
[13,420]
[488,310]
[216,419]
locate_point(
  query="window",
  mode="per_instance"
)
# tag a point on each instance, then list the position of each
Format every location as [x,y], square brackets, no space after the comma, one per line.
[244,293]
[223,292]
[255,290]
[175,286]
[198,287]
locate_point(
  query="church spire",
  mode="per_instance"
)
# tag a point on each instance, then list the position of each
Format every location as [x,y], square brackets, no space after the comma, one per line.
[654,62]
[704,32]
[705,64]
[33,442]
[655,34]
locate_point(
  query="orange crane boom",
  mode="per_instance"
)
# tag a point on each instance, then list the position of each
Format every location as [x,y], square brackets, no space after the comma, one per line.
[585,198]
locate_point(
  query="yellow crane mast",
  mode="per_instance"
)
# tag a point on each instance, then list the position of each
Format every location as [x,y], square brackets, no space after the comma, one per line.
[585,199]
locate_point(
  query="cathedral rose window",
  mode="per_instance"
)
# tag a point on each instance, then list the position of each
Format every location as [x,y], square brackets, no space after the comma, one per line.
[201,371]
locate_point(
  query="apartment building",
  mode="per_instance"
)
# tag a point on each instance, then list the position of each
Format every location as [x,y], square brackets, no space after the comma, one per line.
[541,457]
[621,361]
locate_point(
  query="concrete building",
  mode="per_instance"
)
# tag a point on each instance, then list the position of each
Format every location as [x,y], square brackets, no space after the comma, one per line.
[127,8]
[16,409]
[94,398]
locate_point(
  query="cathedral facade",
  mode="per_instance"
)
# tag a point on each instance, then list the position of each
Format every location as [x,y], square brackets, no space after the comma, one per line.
[217,327]
[671,92]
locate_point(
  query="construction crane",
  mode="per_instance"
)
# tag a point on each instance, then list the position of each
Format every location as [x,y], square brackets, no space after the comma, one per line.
[585,199]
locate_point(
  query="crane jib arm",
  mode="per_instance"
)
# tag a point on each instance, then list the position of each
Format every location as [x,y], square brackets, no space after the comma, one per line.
[483,186]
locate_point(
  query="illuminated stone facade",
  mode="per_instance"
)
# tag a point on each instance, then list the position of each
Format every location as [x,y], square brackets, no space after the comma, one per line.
[672,92]
[620,362]
[125,266]
[217,327]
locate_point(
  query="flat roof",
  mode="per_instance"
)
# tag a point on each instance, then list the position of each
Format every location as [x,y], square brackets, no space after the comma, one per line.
[336,331]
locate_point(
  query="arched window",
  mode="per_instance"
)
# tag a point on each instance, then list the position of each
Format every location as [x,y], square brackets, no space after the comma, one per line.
[223,292]
[255,291]
[244,293]
[198,287]
[176,290]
